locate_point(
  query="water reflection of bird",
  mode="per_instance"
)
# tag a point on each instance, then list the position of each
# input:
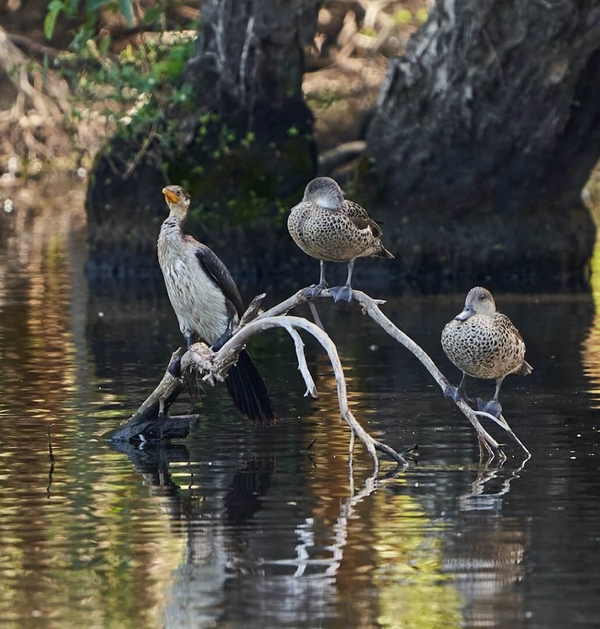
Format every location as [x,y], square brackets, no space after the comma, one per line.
[206,301]
[327,227]
[483,343]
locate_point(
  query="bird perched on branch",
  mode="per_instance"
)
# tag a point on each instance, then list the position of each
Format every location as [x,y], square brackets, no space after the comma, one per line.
[328,227]
[207,303]
[483,343]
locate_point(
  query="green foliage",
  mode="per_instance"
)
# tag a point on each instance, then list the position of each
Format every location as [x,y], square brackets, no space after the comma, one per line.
[131,90]
[403,16]
[70,8]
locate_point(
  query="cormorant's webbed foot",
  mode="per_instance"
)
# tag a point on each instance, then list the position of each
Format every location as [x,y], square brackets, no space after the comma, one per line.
[174,367]
[341,293]
[493,407]
[315,290]
[218,344]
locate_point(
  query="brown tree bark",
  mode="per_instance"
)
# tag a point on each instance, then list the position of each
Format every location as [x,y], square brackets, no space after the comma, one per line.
[245,141]
[484,137]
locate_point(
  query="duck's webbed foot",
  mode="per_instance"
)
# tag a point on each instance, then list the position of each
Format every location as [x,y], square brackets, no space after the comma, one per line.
[341,293]
[453,393]
[315,290]
[493,407]
[457,393]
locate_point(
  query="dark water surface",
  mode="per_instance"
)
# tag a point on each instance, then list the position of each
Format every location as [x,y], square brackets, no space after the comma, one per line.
[238,526]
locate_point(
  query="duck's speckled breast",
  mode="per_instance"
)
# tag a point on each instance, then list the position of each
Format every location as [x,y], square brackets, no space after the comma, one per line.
[327,234]
[484,346]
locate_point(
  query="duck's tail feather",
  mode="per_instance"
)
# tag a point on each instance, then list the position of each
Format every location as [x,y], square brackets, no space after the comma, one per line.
[249,392]
[382,252]
[525,369]
[388,254]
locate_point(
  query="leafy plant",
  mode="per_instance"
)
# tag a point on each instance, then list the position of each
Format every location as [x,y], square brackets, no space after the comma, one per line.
[70,9]
[130,90]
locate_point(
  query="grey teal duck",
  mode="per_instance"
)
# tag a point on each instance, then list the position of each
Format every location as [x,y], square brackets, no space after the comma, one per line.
[483,343]
[328,227]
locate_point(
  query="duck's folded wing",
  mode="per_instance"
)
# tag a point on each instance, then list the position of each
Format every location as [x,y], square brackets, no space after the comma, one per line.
[358,215]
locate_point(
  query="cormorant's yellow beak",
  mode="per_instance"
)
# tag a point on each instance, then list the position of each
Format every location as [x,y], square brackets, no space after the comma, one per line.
[170,196]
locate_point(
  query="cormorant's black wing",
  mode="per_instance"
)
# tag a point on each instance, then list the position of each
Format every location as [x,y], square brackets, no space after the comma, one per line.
[220,273]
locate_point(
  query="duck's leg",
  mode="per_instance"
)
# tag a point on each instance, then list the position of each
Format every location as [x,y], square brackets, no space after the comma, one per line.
[315,291]
[459,392]
[493,407]
[344,292]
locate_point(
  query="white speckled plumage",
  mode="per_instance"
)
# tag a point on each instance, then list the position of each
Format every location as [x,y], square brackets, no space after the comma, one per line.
[198,302]
[327,227]
[206,300]
[485,344]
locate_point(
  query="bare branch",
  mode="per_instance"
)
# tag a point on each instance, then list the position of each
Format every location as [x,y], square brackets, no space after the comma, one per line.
[315,314]
[370,306]
[503,424]
[252,310]
[263,322]
[212,366]
[311,388]
[372,309]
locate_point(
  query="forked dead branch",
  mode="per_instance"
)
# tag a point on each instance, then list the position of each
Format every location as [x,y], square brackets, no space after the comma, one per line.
[201,362]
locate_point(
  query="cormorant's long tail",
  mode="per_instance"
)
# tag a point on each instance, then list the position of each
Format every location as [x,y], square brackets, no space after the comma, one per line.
[249,392]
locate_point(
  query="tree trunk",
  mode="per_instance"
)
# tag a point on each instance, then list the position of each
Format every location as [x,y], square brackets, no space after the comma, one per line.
[244,142]
[485,134]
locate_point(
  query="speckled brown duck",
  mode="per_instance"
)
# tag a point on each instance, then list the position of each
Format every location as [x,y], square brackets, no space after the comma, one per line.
[483,343]
[328,227]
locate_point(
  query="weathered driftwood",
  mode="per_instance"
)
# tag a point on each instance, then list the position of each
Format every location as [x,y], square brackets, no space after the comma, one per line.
[152,420]
[214,364]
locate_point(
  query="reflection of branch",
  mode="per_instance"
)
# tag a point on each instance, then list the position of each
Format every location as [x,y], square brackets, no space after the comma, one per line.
[340,529]
[52,461]
[477,499]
